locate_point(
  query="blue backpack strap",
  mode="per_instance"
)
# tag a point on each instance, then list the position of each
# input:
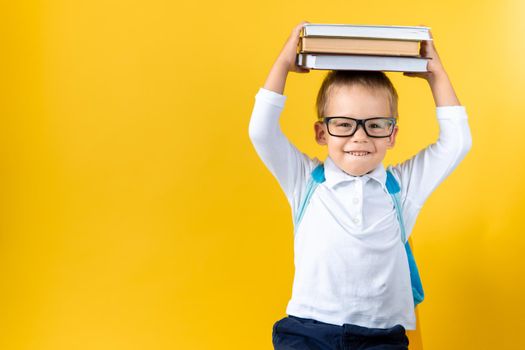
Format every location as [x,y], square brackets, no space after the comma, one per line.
[394,190]
[318,173]
[317,177]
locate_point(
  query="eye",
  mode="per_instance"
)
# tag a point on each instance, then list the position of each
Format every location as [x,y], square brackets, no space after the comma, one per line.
[343,123]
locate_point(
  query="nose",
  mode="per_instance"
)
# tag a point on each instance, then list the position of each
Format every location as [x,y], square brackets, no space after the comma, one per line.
[360,134]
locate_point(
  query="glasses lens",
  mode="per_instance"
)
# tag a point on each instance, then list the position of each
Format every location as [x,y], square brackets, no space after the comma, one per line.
[379,126]
[341,126]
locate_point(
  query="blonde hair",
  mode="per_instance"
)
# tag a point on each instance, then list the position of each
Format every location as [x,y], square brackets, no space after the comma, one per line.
[373,80]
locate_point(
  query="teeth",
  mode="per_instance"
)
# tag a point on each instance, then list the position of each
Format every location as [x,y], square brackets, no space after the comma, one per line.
[359,153]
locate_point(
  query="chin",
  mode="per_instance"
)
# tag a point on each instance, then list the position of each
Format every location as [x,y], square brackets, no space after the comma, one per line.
[357,172]
[353,173]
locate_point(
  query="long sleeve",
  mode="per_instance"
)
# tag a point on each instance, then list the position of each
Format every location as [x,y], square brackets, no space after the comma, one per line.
[287,164]
[421,174]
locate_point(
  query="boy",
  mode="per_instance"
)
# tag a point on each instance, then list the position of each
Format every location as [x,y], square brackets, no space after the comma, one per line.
[352,286]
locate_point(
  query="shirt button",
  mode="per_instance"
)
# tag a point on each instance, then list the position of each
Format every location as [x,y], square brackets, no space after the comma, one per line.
[355,220]
[356,200]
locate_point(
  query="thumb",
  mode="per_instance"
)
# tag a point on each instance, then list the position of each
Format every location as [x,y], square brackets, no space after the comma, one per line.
[415,74]
[302,70]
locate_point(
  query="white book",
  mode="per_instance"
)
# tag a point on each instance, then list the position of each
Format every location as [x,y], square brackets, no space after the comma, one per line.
[362,62]
[367,31]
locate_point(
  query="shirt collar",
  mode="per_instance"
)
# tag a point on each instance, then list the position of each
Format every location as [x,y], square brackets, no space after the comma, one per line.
[335,175]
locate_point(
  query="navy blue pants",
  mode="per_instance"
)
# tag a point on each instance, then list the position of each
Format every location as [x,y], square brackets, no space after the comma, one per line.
[296,333]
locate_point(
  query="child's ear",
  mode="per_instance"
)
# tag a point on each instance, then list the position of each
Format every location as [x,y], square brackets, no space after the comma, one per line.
[320,133]
[392,138]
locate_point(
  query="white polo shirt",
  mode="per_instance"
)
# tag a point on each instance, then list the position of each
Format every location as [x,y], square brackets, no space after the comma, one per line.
[350,263]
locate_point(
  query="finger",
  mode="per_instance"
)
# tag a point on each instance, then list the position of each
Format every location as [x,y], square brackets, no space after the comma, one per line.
[300,26]
[412,74]
[423,48]
[296,31]
[430,48]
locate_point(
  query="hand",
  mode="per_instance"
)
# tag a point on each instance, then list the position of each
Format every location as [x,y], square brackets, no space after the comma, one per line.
[288,53]
[434,65]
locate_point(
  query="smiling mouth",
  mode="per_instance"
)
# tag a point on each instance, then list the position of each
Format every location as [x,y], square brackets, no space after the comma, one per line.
[358,154]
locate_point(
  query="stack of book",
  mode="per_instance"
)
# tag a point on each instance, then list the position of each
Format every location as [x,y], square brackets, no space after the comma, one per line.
[362,47]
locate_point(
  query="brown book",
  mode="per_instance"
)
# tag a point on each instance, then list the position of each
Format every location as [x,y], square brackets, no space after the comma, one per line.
[359,46]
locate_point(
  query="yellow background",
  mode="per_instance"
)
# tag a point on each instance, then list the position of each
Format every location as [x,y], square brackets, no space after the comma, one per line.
[135,213]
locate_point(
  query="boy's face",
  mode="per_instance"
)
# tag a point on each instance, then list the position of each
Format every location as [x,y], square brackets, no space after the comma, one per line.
[359,103]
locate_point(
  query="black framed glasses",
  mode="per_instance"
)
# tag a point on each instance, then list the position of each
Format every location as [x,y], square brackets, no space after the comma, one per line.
[346,126]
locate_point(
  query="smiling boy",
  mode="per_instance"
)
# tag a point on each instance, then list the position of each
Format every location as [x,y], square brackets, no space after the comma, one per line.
[352,287]
[367,148]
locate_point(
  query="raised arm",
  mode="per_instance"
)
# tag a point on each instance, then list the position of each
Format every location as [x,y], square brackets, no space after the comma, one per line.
[288,165]
[421,174]
[427,169]
[285,63]
[437,77]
